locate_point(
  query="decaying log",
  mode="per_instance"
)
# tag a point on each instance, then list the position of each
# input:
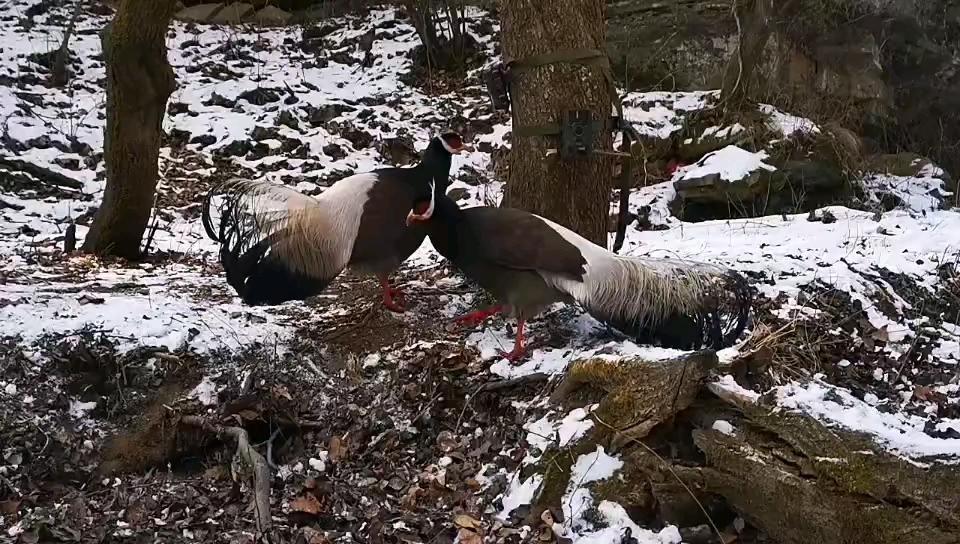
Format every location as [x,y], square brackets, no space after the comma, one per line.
[772,495]
[789,475]
[886,498]
[639,394]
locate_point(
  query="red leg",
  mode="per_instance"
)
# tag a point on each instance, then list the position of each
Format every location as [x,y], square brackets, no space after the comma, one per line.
[389,293]
[518,350]
[477,316]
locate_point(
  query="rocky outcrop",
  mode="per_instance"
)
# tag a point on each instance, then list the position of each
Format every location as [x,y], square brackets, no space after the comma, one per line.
[885,69]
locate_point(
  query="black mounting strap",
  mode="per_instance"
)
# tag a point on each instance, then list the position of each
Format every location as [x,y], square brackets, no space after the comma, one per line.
[577,127]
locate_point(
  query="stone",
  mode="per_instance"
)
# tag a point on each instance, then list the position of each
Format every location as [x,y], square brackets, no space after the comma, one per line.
[201,13]
[270,16]
[823,57]
[231,14]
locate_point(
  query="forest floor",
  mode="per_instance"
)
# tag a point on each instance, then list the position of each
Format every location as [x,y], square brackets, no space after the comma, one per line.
[115,377]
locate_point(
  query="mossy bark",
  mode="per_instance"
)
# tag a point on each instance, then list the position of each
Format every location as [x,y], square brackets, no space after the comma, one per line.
[573,193]
[139,82]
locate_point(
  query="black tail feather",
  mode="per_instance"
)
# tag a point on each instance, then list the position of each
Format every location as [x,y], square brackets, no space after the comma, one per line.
[257,278]
[722,319]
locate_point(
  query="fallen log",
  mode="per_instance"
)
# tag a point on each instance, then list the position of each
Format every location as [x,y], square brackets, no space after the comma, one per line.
[871,495]
[788,475]
[43,174]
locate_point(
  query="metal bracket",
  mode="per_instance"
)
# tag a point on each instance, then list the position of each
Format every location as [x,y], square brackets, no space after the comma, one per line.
[576,134]
[497,81]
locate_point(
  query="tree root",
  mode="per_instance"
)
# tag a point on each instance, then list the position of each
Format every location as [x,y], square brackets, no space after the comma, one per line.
[251,460]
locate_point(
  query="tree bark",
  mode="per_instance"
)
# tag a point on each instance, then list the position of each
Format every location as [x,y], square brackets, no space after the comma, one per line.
[754,33]
[139,82]
[575,193]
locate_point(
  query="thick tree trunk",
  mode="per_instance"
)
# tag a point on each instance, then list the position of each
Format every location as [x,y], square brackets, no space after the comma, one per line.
[755,29]
[139,82]
[573,193]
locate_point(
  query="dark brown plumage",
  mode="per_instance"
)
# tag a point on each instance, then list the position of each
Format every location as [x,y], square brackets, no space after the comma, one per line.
[528,263]
[278,244]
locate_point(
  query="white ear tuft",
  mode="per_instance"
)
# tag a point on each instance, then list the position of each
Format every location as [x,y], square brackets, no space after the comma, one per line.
[433,190]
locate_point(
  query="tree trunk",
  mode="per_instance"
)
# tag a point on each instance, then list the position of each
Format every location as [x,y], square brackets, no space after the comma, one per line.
[575,193]
[754,33]
[139,82]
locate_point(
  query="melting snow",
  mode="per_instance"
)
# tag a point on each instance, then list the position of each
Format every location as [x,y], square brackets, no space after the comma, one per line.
[154,305]
[731,162]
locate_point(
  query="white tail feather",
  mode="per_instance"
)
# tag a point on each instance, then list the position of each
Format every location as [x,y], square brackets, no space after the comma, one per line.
[643,290]
[309,235]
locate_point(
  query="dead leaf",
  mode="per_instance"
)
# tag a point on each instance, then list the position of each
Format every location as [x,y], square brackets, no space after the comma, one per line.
[307,504]
[313,536]
[281,391]
[922,392]
[217,473]
[881,334]
[335,449]
[927,394]
[547,517]
[545,534]
[466,536]
[463,520]
[249,415]
[9,508]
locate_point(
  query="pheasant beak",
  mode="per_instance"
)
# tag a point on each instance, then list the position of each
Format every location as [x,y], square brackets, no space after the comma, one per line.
[412,215]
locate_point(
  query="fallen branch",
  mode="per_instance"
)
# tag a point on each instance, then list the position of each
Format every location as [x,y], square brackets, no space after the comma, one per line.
[522,380]
[259,470]
[41,173]
[15,207]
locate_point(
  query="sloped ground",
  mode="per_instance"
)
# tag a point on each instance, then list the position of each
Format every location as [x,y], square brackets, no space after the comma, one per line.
[385,428]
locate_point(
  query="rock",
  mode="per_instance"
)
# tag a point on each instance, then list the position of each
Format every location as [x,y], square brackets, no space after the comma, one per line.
[270,16]
[204,140]
[398,151]
[289,144]
[200,13]
[287,119]
[258,151]
[236,148]
[69,163]
[80,148]
[231,14]
[825,56]
[260,96]
[344,57]
[40,142]
[458,193]
[217,100]
[320,116]
[177,108]
[359,138]
[334,151]
[263,133]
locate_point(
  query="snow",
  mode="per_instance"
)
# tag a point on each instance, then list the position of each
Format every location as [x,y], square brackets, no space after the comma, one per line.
[900,434]
[184,306]
[519,494]
[731,163]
